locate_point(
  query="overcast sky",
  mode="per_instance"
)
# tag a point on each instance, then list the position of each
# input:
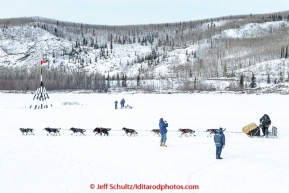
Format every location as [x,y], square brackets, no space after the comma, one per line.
[123,12]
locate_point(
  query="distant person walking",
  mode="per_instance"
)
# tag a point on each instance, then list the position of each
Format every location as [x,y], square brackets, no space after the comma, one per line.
[123,101]
[163,130]
[219,140]
[120,102]
[115,104]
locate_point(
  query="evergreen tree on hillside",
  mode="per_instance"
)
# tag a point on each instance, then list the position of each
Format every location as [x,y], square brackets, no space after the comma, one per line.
[225,70]
[268,79]
[241,81]
[111,43]
[282,52]
[281,79]
[122,80]
[125,77]
[117,79]
[138,80]
[253,82]
[108,80]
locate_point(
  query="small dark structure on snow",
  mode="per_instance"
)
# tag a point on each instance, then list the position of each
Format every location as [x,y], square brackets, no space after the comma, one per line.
[41,96]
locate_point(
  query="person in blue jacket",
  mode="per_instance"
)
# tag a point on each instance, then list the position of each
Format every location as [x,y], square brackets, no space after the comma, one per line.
[123,101]
[219,140]
[163,130]
[115,104]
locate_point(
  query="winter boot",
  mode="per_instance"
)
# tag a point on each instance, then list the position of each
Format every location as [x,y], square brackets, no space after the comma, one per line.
[161,144]
[219,157]
[164,145]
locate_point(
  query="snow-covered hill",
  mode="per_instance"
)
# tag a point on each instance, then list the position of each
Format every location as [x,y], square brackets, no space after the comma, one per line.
[253,30]
[213,48]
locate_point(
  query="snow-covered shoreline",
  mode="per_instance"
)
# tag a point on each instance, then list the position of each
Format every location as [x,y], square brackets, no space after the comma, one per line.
[40,163]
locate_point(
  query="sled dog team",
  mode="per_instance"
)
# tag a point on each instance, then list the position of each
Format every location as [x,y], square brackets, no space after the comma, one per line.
[219,137]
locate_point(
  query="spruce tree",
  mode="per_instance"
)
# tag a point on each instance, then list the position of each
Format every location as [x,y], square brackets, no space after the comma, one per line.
[125,77]
[268,79]
[282,52]
[111,43]
[108,80]
[117,78]
[253,82]
[138,80]
[281,77]
[241,81]
[225,70]
[122,81]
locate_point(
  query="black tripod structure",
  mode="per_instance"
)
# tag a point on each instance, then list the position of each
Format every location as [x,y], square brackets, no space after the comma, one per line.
[41,96]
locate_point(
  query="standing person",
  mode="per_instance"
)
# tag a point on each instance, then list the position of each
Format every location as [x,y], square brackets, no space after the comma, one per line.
[115,104]
[163,130]
[265,123]
[120,102]
[123,101]
[219,140]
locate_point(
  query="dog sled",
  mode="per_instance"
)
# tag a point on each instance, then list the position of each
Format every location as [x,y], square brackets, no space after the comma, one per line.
[127,107]
[254,131]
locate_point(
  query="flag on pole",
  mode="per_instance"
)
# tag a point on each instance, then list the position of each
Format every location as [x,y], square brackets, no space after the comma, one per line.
[42,62]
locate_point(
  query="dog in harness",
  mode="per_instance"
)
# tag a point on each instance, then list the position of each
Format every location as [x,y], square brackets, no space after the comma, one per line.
[77,130]
[52,130]
[186,132]
[101,130]
[129,131]
[26,131]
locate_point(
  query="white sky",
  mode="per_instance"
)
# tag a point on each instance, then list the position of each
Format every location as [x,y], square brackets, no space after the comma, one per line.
[123,12]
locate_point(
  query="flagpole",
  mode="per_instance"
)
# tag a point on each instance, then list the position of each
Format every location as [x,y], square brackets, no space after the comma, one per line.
[41,95]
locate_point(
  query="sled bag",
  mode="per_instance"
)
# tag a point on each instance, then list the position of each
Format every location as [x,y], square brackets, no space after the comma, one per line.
[254,132]
[249,128]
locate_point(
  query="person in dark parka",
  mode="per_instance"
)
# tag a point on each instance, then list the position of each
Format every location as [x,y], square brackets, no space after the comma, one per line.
[115,104]
[163,130]
[123,101]
[219,140]
[265,123]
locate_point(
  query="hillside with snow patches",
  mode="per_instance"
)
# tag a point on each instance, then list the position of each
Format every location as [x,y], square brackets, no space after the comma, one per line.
[210,49]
